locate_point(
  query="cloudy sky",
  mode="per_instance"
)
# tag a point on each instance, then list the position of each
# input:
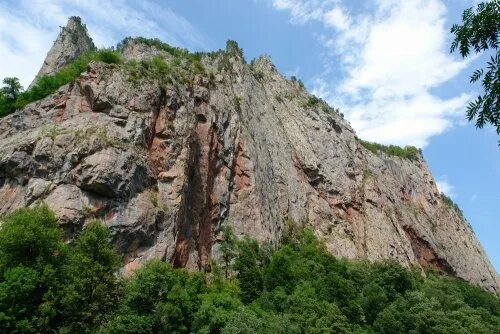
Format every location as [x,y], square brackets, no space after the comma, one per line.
[385,63]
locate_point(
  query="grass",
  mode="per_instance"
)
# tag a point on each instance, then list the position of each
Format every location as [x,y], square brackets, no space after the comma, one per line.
[407,152]
[367,175]
[51,132]
[153,197]
[155,42]
[100,134]
[178,71]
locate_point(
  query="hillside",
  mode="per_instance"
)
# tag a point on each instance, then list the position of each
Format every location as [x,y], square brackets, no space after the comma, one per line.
[168,148]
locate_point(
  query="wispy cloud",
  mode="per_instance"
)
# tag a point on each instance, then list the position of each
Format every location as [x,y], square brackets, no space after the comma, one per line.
[392,57]
[444,186]
[28,28]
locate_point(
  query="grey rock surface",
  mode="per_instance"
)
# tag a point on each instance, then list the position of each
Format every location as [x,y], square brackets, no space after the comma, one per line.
[73,40]
[167,166]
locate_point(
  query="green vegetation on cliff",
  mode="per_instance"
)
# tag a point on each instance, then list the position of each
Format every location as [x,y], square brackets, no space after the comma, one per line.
[180,69]
[49,286]
[407,152]
[157,43]
[48,84]
[451,204]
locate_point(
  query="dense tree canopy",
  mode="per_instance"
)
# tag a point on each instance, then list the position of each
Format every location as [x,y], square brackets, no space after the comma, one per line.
[49,286]
[480,32]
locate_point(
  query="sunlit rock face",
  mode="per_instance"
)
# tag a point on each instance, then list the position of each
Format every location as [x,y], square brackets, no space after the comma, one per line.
[73,40]
[168,166]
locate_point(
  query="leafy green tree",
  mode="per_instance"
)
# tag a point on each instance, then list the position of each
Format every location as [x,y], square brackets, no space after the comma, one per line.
[128,323]
[5,106]
[313,315]
[228,249]
[31,254]
[249,264]
[280,271]
[8,94]
[251,321]
[232,47]
[418,313]
[479,32]
[393,278]
[47,286]
[91,290]
[373,301]
[162,299]
[337,286]
[11,88]
[215,311]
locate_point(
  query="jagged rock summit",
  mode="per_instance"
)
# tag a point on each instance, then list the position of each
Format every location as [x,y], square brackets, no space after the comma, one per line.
[168,148]
[72,41]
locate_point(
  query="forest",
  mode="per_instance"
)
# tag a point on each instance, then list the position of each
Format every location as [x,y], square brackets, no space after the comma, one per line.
[52,284]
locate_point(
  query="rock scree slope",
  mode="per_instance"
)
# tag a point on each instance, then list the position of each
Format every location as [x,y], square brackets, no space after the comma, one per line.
[167,164]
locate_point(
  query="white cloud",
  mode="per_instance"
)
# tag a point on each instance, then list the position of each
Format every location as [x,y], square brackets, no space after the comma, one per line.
[302,11]
[392,58]
[444,186]
[28,28]
[336,18]
[405,121]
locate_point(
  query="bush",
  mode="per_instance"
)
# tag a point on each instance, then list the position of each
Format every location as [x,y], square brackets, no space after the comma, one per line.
[408,152]
[313,101]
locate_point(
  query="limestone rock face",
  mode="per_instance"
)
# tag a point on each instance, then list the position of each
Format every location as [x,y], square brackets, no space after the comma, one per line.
[73,40]
[167,166]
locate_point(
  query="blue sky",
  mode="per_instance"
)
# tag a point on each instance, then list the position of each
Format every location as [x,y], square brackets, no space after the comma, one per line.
[385,63]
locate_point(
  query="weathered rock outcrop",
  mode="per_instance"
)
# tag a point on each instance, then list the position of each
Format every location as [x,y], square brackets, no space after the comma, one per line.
[73,40]
[166,166]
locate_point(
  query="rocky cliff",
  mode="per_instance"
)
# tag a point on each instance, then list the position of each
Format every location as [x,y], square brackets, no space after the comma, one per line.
[73,40]
[167,163]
